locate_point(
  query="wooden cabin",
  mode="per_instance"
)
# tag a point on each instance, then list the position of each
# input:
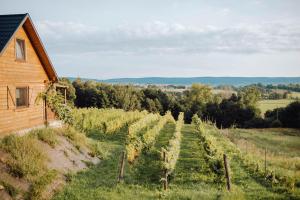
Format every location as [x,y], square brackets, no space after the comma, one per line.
[25,71]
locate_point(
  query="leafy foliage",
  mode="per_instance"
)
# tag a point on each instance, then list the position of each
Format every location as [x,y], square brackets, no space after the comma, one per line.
[137,142]
[285,117]
[55,101]
[134,142]
[173,149]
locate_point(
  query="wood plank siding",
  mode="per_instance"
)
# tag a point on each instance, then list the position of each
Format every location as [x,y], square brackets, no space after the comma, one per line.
[29,73]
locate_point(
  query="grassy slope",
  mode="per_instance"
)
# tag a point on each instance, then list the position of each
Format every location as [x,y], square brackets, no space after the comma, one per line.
[245,184]
[265,105]
[280,141]
[192,177]
[282,145]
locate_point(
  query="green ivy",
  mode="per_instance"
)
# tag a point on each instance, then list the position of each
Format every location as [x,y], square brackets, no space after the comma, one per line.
[55,101]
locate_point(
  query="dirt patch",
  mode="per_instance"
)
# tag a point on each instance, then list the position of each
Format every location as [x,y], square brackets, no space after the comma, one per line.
[66,158]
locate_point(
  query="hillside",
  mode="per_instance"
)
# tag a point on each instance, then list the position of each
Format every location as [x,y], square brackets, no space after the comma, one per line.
[37,164]
[214,81]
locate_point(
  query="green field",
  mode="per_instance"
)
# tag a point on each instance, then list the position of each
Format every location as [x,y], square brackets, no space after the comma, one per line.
[265,105]
[198,174]
[281,145]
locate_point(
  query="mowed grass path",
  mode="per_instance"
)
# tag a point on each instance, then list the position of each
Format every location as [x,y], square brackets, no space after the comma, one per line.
[192,178]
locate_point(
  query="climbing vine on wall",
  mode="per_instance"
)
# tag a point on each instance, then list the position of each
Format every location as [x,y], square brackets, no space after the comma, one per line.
[55,102]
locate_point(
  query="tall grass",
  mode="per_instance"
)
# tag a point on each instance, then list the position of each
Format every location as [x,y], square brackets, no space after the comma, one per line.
[46,135]
[26,157]
[280,169]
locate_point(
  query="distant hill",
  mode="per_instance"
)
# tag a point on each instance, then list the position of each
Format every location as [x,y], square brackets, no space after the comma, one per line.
[214,81]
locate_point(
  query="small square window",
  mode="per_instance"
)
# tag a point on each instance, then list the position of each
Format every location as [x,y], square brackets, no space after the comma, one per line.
[21,96]
[20,49]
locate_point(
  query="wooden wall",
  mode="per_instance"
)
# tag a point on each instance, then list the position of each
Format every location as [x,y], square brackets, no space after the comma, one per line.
[17,73]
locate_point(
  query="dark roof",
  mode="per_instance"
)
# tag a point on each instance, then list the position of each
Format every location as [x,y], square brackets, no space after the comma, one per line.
[8,25]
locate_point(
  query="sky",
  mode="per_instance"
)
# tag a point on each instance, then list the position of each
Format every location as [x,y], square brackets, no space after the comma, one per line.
[167,38]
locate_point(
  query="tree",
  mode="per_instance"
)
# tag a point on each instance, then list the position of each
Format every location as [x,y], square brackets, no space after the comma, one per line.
[200,94]
[71,92]
[288,116]
[249,96]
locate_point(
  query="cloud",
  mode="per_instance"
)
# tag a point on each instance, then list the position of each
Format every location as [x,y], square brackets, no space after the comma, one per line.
[225,11]
[170,38]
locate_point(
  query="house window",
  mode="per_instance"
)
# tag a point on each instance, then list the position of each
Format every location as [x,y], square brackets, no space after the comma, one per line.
[21,96]
[20,49]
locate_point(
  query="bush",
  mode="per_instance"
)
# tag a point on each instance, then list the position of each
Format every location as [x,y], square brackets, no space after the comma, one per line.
[77,139]
[96,149]
[288,117]
[276,123]
[27,159]
[256,123]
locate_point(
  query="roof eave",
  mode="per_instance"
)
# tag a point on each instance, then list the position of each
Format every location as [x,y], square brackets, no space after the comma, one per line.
[28,24]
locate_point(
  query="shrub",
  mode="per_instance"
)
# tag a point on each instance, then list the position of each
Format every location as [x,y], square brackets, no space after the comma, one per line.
[46,135]
[96,149]
[36,189]
[256,122]
[12,191]
[27,159]
[276,123]
[77,139]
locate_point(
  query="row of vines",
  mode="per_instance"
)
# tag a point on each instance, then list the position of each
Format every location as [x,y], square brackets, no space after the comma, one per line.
[170,153]
[142,135]
[107,121]
[215,145]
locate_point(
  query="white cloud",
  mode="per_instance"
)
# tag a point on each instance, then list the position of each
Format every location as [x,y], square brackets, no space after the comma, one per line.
[167,38]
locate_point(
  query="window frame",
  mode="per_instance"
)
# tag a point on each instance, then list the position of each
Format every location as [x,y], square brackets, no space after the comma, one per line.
[25,53]
[27,97]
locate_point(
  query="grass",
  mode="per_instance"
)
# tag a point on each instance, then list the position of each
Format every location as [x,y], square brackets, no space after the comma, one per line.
[26,158]
[192,178]
[46,135]
[11,190]
[265,105]
[282,150]
[295,95]
[39,185]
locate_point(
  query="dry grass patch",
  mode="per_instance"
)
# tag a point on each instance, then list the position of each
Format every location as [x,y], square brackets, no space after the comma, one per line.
[46,135]
[26,158]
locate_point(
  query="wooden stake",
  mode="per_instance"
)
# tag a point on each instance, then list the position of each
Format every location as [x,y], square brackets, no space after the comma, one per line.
[227,175]
[265,161]
[165,182]
[121,172]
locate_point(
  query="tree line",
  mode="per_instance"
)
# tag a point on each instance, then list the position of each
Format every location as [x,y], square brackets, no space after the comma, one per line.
[239,110]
